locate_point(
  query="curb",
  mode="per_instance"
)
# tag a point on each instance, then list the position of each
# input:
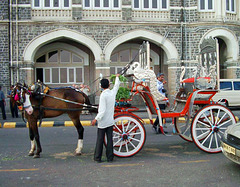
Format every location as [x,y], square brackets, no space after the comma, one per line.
[8,125]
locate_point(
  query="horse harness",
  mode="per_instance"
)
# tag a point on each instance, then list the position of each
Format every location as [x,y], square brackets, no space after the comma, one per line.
[39,92]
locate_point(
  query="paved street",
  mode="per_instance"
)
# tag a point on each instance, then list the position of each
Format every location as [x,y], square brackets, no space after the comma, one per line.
[59,121]
[163,161]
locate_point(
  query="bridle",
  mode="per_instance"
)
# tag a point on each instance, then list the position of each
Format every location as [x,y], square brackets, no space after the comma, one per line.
[18,94]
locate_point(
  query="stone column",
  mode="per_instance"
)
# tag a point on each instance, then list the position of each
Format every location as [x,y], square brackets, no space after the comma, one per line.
[231,69]
[218,8]
[102,69]
[173,80]
[27,71]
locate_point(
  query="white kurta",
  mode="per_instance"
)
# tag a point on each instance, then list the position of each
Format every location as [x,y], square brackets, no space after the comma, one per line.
[106,106]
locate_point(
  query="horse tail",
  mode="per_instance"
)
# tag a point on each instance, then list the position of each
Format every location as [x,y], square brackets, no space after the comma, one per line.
[87,101]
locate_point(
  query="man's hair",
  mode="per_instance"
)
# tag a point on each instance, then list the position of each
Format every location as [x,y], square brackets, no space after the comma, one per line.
[160,74]
[104,83]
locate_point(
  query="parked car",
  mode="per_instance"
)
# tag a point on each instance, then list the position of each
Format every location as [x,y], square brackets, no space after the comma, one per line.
[229,94]
[230,143]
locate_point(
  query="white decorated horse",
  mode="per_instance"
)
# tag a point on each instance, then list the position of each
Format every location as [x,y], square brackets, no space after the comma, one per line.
[141,74]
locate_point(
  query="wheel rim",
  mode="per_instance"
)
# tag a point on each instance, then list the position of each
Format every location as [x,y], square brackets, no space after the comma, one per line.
[183,128]
[209,126]
[128,136]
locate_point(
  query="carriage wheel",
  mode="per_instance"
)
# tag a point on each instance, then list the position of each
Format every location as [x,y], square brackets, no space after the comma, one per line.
[183,128]
[128,135]
[209,125]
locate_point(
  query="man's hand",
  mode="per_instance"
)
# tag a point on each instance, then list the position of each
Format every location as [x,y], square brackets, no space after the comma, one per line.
[117,75]
[94,122]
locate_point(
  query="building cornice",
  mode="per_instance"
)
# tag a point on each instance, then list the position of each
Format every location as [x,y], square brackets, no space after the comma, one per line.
[189,24]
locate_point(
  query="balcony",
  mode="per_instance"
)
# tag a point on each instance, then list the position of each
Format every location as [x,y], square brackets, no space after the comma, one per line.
[231,17]
[211,16]
[51,14]
[153,16]
[207,16]
[93,15]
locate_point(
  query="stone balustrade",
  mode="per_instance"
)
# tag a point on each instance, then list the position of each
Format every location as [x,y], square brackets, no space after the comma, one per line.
[51,14]
[141,15]
[102,14]
[211,16]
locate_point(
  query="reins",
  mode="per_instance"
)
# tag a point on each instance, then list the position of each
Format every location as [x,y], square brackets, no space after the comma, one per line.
[60,109]
[68,101]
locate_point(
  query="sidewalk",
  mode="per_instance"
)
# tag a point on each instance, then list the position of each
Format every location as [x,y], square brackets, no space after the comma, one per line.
[62,120]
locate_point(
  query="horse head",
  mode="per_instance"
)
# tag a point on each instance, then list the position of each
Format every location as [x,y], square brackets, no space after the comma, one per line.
[21,96]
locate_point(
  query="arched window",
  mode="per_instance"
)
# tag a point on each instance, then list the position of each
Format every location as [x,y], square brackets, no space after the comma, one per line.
[206,5]
[150,4]
[60,66]
[101,4]
[51,4]
[126,53]
[230,6]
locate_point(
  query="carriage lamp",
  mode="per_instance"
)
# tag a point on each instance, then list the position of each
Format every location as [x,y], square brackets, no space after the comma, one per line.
[20,108]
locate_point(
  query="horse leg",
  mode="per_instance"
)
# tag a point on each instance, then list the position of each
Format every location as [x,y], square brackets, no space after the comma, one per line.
[33,145]
[37,138]
[80,130]
[34,128]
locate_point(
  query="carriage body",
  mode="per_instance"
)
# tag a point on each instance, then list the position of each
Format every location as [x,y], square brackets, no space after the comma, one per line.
[195,118]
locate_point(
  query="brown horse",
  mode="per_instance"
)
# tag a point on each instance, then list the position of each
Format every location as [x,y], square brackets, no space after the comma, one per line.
[38,104]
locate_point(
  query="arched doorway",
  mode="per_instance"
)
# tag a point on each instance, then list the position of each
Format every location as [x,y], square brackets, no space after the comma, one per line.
[222,58]
[77,46]
[228,50]
[128,51]
[163,47]
[59,63]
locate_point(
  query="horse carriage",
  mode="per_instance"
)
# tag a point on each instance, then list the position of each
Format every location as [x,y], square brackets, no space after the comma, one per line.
[194,117]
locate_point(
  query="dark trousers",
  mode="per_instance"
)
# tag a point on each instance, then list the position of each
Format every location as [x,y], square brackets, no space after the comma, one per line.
[3,109]
[99,144]
[14,110]
[162,107]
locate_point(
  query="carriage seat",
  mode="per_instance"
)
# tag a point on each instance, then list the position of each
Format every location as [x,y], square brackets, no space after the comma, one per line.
[184,92]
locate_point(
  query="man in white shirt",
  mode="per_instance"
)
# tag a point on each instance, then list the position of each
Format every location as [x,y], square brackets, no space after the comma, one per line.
[105,118]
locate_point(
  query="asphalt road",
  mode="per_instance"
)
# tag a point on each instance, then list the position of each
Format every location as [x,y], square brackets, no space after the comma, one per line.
[163,161]
[61,119]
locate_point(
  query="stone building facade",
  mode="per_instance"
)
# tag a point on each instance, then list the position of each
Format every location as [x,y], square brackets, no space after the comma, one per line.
[64,42]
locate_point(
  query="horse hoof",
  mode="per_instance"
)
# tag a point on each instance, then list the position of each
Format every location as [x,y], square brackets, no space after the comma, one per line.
[36,156]
[78,154]
[30,154]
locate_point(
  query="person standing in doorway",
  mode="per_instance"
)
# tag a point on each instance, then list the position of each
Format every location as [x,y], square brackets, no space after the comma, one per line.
[160,86]
[105,119]
[2,103]
[13,108]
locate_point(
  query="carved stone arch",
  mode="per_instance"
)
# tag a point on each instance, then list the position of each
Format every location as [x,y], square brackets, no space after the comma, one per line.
[64,46]
[136,46]
[45,38]
[164,43]
[229,38]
